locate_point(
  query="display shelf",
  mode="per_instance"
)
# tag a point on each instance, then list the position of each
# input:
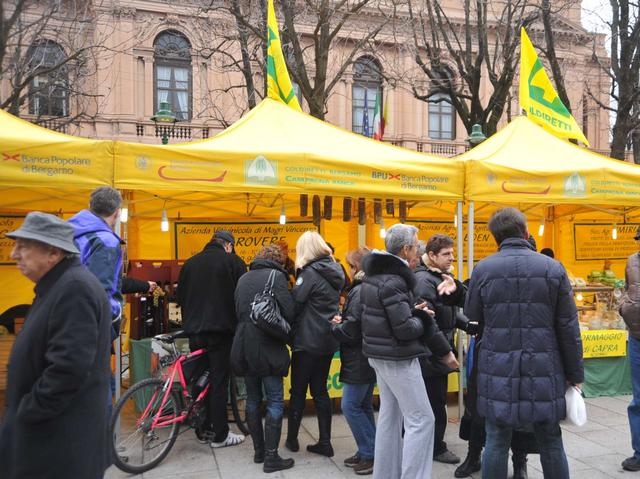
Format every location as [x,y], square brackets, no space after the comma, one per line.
[593,289]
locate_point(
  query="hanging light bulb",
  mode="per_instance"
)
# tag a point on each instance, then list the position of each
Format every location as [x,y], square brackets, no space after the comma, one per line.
[579,297]
[164,223]
[614,231]
[455,221]
[283,216]
[124,213]
[383,232]
[541,228]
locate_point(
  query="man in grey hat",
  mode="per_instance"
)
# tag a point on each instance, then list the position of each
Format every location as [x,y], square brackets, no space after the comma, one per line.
[630,311]
[59,370]
[206,290]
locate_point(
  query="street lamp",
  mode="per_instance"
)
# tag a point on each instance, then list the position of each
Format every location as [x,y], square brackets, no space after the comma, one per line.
[476,137]
[165,121]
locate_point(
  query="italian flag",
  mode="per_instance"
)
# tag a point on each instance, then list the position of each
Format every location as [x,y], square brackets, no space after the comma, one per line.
[379,118]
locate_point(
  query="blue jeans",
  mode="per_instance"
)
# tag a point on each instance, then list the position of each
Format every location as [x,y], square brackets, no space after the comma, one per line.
[634,408]
[549,439]
[357,408]
[273,392]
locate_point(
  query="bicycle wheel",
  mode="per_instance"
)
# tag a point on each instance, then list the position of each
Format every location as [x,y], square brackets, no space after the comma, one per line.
[139,445]
[239,416]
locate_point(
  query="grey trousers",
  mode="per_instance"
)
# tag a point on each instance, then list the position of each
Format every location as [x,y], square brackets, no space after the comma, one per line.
[403,397]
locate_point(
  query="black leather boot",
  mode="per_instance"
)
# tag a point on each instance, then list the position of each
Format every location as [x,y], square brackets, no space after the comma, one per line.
[323,446]
[254,421]
[293,426]
[272,461]
[470,464]
[519,465]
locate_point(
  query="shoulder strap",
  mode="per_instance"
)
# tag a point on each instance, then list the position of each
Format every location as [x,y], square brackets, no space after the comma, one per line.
[268,287]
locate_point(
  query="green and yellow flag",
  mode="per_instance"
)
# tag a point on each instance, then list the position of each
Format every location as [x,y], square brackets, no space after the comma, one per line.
[538,97]
[278,83]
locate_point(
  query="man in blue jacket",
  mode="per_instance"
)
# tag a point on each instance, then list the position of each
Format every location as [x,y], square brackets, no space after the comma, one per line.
[101,251]
[100,248]
[531,346]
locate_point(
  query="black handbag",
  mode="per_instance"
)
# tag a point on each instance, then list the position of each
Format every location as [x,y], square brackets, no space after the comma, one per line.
[265,312]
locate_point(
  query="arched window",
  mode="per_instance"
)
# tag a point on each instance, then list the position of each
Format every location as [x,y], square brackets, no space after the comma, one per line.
[442,116]
[172,73]
[49,87]
[367,84]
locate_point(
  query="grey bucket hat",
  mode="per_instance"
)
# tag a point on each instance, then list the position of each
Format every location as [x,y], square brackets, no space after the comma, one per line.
[48,229]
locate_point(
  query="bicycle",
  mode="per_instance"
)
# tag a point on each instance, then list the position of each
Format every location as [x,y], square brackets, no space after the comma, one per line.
[146,420]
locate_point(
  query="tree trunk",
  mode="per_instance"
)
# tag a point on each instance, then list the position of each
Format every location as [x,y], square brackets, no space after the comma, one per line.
[619,142]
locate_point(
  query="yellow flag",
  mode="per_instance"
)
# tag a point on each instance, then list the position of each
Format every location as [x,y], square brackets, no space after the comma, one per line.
[538,97]
[278,83]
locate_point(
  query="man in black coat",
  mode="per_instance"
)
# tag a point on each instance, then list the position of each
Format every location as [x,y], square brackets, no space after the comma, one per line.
[434,268]
[531,346]
[206,287]
[395,328]
[55,423]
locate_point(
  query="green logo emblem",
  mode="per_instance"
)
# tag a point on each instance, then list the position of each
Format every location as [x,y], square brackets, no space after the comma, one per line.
[261,171]
[575,185]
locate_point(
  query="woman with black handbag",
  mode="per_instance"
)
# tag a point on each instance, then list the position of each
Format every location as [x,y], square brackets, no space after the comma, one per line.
[261,355]
[317,295]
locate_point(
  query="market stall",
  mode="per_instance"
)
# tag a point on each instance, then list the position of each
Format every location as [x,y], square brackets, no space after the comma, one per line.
[580,204]
[273,163]
[249,179]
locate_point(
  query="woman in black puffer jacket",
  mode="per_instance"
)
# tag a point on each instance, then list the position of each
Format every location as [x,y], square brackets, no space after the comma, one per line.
[316,294]
[356,375]
[262,359]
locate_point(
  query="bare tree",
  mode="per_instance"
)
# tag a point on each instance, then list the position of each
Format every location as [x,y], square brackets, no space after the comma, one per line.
[48,53]
[623,69]
[323,39]
[236,44]
[456,53]
[548,14]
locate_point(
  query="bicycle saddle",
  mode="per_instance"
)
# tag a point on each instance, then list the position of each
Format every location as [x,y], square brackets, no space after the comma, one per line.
[170,337]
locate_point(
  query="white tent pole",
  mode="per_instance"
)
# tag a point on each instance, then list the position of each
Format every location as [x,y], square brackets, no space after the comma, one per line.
[470,240]
[460,253]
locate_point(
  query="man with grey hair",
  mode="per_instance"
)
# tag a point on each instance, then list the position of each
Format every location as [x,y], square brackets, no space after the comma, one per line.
[100,247]
[55,423]
[394,331]
[101,252]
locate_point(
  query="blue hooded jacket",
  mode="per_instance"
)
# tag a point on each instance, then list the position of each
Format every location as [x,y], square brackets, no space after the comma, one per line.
[101,253]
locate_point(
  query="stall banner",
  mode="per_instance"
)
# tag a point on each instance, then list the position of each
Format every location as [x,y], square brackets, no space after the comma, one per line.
[334,386]
[595,241]
[483,242]
[604,343]
[191,237]
[8,224]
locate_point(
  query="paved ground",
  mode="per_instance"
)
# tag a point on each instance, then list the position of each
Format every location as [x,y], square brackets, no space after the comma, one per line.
[595,451]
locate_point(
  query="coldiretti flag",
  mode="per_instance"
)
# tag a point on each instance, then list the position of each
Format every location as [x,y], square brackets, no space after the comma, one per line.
[278,83]
[538,97]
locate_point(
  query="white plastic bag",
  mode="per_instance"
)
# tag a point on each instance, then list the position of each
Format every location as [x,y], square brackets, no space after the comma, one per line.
[576,409]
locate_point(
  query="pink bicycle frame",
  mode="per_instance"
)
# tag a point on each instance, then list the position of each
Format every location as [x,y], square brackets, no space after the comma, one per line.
[170,376]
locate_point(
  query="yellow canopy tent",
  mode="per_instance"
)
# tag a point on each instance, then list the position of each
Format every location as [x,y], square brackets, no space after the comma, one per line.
[274,148]
[523,163]
[38,164]
[45,170]
[556,182]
